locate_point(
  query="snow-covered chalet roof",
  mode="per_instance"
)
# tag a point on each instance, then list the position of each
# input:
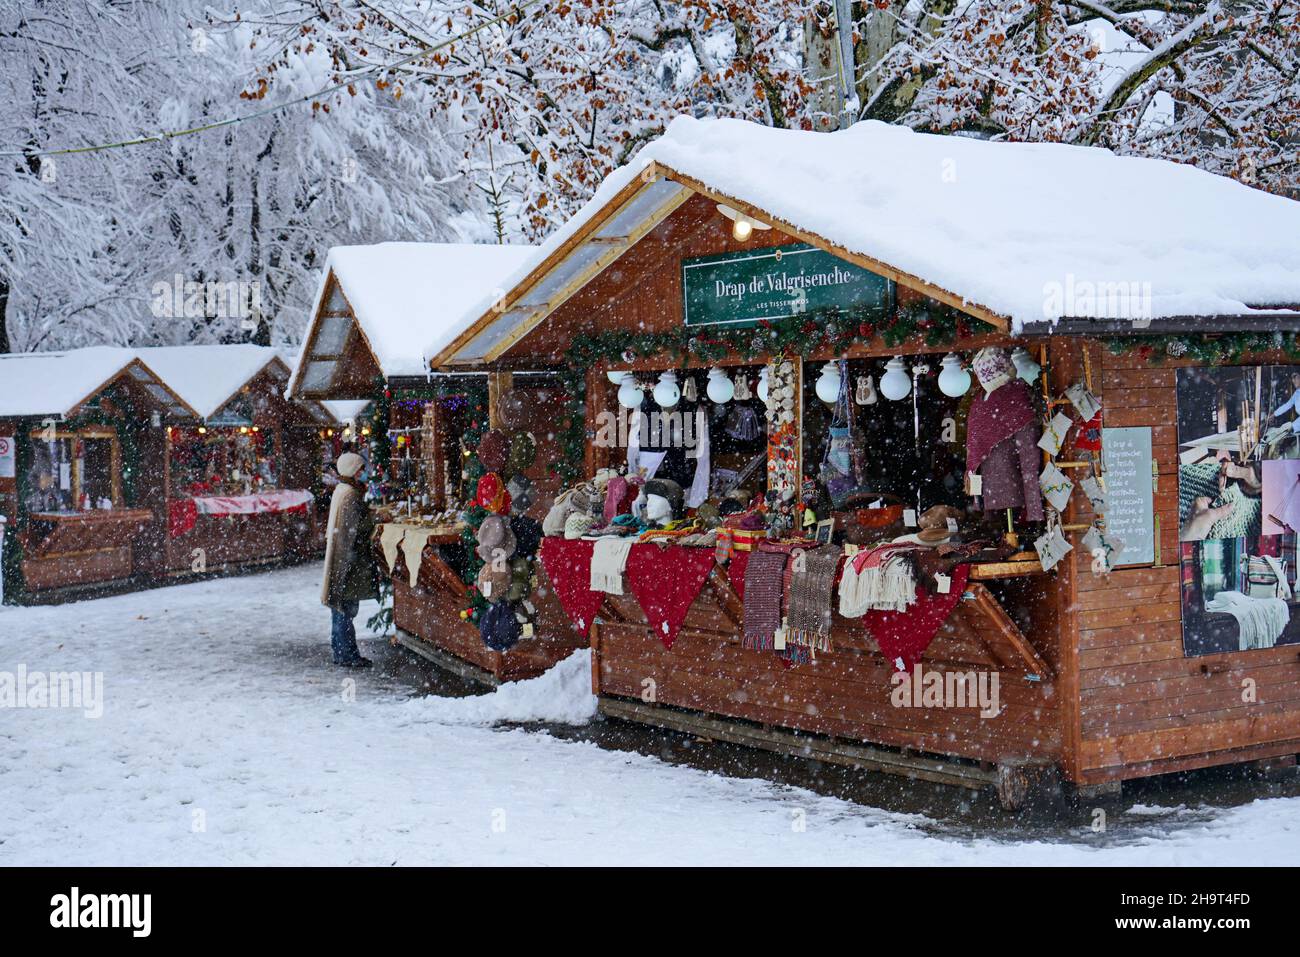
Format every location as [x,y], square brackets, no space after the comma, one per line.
[60,383]
[993,227]
[401,301]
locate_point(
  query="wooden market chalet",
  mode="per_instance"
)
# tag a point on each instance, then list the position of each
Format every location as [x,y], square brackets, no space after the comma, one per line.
[121,468]
[1045,387]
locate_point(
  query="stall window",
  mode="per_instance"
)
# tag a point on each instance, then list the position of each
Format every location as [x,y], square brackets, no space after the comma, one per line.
[224,461]
[72,471]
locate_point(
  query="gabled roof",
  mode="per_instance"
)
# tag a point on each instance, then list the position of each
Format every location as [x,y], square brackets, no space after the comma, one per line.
[61,383]
[988,227]
[396,302]
[208,377]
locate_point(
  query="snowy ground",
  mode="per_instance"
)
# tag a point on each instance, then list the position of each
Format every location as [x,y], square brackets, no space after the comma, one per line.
[227,738]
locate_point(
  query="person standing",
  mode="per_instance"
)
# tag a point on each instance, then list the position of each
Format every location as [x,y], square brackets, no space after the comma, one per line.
[350,571]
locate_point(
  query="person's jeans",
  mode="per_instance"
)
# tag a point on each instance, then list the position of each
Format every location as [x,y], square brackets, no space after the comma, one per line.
[343,633]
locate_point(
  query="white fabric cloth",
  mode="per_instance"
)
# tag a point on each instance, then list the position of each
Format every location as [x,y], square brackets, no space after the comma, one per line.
[280,501]
[608,561]
[1260,621]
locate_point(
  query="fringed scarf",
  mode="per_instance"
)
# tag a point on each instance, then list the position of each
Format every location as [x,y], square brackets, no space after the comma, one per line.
[764,582]
[879,578]
[608,559]
[809,618]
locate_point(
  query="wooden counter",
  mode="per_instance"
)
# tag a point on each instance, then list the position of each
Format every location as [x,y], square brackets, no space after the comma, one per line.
[428,622]
[72,549]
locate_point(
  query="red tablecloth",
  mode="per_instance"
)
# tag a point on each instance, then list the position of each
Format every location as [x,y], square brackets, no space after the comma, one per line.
[665,581]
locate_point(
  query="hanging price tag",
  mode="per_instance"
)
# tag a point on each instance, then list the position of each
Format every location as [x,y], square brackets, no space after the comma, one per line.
[909,517]
[942,583]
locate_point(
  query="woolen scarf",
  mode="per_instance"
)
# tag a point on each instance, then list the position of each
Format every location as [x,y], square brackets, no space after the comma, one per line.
[764,583]
[994,418]
[809,617]
[608,559]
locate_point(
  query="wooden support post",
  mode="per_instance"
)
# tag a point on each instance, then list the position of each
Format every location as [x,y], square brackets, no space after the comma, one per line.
[499,383]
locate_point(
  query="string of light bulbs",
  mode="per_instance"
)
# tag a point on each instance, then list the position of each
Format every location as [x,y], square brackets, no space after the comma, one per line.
[267,111]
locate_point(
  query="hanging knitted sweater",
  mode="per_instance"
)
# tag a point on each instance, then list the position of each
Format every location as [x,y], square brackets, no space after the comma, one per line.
[1002,435]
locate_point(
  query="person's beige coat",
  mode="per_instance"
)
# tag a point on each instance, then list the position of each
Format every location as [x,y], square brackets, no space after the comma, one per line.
[350,572]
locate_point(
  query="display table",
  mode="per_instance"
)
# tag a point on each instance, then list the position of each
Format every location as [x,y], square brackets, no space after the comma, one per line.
[67,549]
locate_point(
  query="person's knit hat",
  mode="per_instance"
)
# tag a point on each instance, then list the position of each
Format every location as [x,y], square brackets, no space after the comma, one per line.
[494,450]
[992,367]
[495,537]
[350,464]
[668,489]
[520,489]
[499,628]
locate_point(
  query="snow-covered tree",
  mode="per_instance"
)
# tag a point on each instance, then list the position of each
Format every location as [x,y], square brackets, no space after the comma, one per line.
[547,97]
[1214,84]
[91,243]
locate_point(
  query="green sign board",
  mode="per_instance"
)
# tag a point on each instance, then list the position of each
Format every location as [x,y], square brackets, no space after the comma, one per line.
[744,288]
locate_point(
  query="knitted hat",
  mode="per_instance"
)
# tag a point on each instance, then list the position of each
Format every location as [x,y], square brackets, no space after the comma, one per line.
[669,490]
[349,464]
[494,450]
[495,538]
[522,454]
[520,489]
[528,535]
[491,494]
[619,496]
[499,628]
[993,367]
[578,524]
[494,581]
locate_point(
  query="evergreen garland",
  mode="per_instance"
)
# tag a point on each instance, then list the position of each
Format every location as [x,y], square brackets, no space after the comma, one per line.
[1206,348]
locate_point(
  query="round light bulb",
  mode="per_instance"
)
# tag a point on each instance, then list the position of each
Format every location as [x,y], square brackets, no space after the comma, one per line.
[720,389]
[953,379]
[629,393]
[1025,365]
[742,228]
[666,393]
[828,384]
[762,385]
[616,376]
[895,384]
